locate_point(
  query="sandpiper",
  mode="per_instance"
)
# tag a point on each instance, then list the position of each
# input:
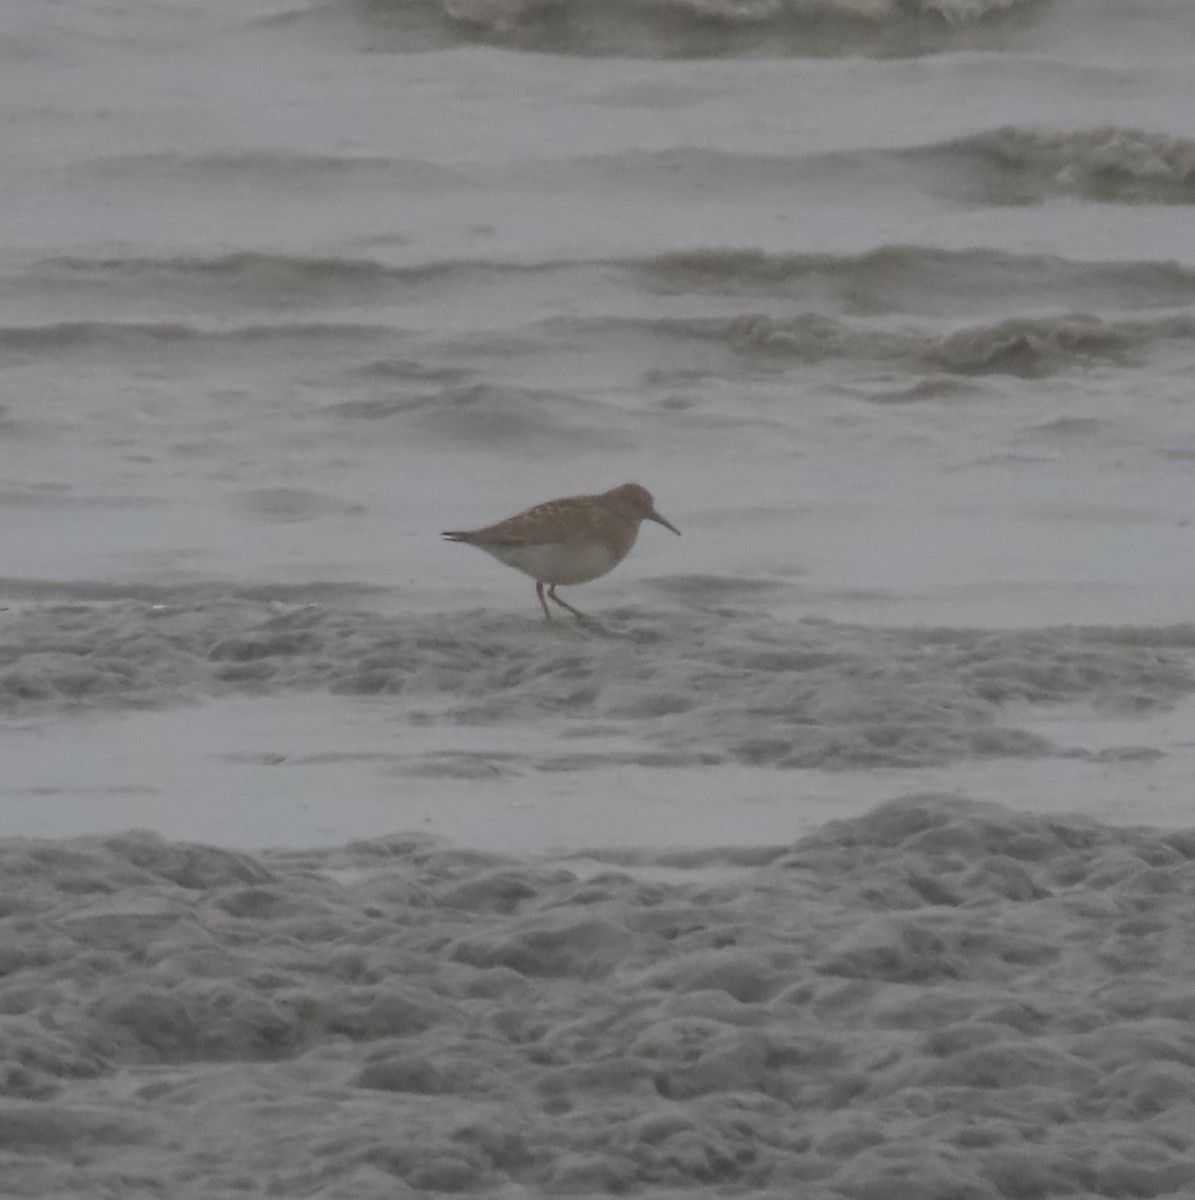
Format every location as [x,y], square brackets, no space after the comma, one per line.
[568,541]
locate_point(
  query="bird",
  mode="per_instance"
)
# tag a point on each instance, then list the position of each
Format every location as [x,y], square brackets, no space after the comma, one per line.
[571,540]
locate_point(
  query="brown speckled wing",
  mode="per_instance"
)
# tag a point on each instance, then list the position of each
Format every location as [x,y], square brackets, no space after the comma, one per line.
[555,522]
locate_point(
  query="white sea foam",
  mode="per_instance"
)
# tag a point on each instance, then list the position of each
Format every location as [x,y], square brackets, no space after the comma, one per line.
[503,18]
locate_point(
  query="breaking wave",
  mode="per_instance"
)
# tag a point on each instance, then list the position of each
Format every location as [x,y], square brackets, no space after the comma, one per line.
[1108,164]
[695,28]
[1022,346]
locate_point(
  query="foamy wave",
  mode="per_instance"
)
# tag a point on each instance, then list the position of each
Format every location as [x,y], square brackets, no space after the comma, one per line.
[501,16]
[666,28]
[1026,346]
[680,686]
[1106,163]
[1028,312]
[498,16]
[961,10]
[1030,347]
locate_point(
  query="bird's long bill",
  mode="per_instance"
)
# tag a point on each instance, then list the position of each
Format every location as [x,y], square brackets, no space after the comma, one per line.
[655,516]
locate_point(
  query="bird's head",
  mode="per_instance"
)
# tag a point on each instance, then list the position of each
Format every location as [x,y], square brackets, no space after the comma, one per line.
[636,501]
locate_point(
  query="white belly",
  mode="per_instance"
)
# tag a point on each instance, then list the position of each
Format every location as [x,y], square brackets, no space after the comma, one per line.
[559,563]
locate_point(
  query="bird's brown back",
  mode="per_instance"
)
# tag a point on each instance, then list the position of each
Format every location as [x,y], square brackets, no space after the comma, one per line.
[572,520]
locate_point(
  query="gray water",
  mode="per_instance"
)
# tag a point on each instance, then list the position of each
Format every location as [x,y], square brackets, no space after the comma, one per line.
[891,302]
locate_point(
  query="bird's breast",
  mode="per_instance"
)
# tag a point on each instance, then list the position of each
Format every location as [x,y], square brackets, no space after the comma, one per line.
[563,563]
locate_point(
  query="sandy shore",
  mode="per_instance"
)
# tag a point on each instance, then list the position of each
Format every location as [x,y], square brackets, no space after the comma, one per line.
[940,1000]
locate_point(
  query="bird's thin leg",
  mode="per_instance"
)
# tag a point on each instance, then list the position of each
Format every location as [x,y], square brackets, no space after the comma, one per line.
[564,604]
[539,591]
